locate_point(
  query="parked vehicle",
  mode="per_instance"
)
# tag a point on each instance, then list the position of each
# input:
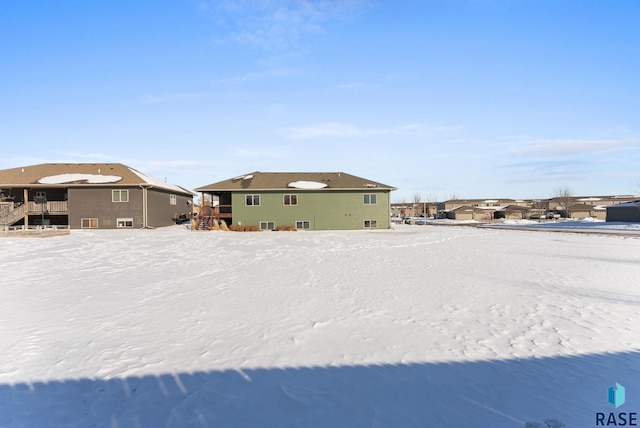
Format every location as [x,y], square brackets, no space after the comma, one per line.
[415,220]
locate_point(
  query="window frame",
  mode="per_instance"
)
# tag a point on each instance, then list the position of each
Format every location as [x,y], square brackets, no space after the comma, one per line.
[293,199]
[373,224]
[370,199]
[40,196]
[119,192]
[124,220]
[91,221]
[266,223]
[254,197]
[308,224]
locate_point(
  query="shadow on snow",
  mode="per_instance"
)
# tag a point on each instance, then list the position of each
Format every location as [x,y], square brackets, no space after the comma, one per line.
[497,393]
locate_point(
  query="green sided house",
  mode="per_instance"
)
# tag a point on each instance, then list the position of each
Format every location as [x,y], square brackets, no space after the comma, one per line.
[305,200]
[89,196]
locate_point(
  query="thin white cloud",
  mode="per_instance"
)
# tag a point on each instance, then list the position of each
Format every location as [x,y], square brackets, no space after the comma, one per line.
[356,85]
[261,152]
[572,147]
[347,130]
[278,24]
[267,74]
[176,96]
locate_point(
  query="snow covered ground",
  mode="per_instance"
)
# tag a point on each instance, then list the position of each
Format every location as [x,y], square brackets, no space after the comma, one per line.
[413,327]
[587,224]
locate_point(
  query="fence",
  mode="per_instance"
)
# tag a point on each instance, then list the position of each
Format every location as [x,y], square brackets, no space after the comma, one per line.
[54,230]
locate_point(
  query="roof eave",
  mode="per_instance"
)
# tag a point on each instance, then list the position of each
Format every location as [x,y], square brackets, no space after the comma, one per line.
[273,189]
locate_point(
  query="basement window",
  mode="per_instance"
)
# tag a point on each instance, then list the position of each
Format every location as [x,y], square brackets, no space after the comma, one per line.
[302,225]
[370,224]
[267,225]
[124,223]
[89,223]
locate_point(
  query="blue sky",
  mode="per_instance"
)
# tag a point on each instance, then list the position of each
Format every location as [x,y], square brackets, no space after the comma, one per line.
[472,98]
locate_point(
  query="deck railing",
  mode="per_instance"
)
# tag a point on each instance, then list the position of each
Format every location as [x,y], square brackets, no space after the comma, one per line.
[222,210]
[34,230]
[50,207]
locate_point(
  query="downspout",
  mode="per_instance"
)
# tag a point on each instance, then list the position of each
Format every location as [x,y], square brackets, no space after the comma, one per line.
[389,210]
[146,203]
[145,206]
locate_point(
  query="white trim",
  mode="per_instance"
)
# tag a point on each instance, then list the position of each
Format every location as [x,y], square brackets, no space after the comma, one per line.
[252,195]
[120,193]
[124,222]
[90,221]
[372,197]
[373,224]
[301,223]
[264,225]
[291,197]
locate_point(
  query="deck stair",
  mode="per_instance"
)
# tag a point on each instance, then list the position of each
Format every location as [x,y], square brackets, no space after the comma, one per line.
[9,215]
[212,218]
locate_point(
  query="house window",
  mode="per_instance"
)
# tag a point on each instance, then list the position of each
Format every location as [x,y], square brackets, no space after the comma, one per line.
[120,196]
[124,222]
[290,200]
[40,197]
[252,200]
[173,199]
[370,224]
[370,199]
[267,225]
[303,224]
[89,223]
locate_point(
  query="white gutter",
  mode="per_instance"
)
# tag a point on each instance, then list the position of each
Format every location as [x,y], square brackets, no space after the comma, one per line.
[145,206]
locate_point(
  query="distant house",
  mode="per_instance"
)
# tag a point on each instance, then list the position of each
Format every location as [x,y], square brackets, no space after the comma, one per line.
[468,212]
[472,209]
[512,212]
[627,212]
[587,210]
[585,206]
[89,196]
[413,209]
[304,200]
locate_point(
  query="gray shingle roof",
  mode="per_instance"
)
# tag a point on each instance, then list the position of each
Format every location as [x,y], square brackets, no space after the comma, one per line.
[285,180]
[81,174]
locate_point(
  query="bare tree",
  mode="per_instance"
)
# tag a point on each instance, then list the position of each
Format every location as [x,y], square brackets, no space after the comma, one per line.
[565,200]
[403,208]
[432,202]
[417,204]
[539,206]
